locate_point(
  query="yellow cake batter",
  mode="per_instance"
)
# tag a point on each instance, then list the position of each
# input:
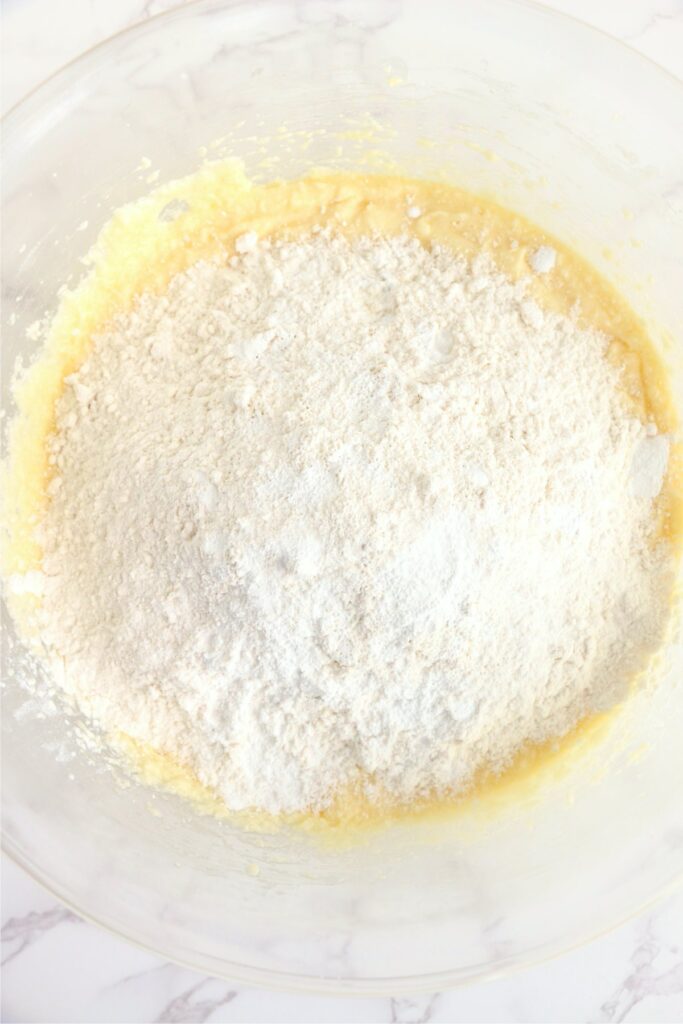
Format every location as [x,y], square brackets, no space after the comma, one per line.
[148,242]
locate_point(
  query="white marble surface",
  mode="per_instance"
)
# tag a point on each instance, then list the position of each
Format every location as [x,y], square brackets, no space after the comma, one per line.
[58,968]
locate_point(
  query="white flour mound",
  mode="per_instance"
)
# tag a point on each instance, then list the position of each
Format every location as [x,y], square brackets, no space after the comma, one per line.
[337,512]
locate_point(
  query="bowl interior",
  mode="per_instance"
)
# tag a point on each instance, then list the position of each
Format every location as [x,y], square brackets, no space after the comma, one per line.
[504,98]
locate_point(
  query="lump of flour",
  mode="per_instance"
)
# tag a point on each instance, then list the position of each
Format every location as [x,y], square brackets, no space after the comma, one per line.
[333,513]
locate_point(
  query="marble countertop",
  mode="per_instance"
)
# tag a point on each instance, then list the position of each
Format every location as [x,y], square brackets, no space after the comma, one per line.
[56,967]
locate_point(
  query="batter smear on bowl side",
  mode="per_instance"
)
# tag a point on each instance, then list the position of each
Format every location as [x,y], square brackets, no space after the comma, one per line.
[365,493]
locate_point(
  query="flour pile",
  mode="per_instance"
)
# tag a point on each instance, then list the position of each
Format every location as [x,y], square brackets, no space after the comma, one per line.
[333,513]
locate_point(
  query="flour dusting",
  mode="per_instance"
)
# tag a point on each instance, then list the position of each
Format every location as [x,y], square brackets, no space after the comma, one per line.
[337,513]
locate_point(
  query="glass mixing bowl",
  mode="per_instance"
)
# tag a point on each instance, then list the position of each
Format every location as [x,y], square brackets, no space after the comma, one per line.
[506,98]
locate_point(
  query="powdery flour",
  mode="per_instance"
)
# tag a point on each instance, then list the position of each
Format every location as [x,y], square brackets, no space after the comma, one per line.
[335,513]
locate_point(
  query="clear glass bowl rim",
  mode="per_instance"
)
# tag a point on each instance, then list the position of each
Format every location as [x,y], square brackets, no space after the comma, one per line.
[41,95]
